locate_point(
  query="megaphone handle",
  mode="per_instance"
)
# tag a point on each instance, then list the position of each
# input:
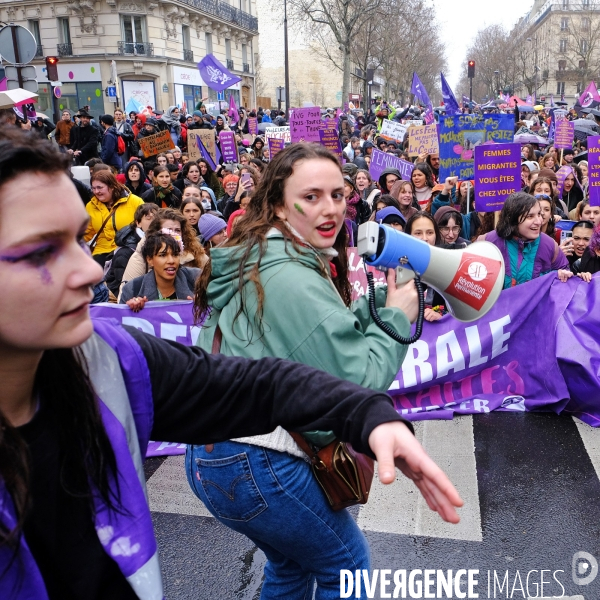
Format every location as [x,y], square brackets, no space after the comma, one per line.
[404,275]
[384,326]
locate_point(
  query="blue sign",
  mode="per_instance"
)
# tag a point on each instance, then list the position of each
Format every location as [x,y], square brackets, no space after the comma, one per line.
[460,134]
[221,95]
[112,91]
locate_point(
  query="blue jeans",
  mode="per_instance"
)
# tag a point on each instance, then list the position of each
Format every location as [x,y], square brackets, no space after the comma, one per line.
[273,499]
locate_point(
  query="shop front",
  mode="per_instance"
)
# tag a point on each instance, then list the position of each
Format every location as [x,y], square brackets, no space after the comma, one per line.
[81,86]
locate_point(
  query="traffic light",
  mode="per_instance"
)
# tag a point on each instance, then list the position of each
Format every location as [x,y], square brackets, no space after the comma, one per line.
[471,70]
[52,68]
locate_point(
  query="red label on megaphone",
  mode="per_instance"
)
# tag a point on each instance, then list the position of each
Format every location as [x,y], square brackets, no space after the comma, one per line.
[474,279]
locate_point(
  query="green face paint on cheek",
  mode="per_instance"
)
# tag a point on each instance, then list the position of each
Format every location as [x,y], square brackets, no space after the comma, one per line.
[299,208]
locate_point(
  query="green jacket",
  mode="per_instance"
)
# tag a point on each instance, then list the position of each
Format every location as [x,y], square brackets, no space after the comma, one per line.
[304,318]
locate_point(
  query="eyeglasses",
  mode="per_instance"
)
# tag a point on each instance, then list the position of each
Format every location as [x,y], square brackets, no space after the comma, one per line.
[542,197]
[455,229]
[98,188]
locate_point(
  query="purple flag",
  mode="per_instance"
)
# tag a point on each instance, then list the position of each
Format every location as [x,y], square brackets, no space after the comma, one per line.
[233,110]
[418,90]
[215,75]
[449,99]
[589,96]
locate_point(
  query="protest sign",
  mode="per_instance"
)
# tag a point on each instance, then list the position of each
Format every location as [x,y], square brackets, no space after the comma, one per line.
[152,145]
[563,135]
[330,123]
[393,130]
[460,134]
[207,137]
[253,125]
[282,133]
[228,146]
[497,175]
[329,138]
[305,124]
[381,161]
[594,169]
[465,368]
[414,122]
[275,145]
[423,140]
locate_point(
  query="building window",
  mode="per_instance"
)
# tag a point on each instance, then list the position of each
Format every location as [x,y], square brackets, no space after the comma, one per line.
[244,53]
[582,64]
[134,30]
[584,46]
[228,49]
[560,87]
[579,90]
[563,46]
[64,31]
[562,65]
[564,24]
[187,44]
[565,4]
[585,24]
[208,41]
[34,27]
[585,3]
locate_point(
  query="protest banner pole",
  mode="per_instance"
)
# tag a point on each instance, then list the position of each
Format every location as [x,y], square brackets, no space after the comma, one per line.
[561,156]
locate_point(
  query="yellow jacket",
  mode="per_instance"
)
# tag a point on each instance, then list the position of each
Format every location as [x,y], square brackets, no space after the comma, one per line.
[124,210]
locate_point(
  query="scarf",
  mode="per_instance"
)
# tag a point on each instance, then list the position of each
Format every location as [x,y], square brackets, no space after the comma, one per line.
[351,203]
[162,193]
[423,194]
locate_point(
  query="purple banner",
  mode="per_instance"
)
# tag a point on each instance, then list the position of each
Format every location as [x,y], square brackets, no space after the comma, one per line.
[594,169]
[563,135]
[468,368]
[253,125]
[228,146]
[275,145]
[497,175]
[382,160]
[329,138]
[305,124]
[215,75]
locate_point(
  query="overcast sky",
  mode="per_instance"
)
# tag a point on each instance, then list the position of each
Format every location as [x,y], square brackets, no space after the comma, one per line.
[461,19]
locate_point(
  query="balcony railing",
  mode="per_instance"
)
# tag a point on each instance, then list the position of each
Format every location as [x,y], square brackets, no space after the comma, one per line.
[229,63]
[188,55]
[571,74]
[226,12]
[40,51]
[64,49]
[246,68]
[136,49]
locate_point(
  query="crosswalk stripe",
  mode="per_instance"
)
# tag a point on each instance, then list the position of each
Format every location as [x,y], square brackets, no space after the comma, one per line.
[591,440]
[399,508]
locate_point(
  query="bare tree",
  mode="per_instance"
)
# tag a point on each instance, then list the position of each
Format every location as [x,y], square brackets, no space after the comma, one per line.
[338,21]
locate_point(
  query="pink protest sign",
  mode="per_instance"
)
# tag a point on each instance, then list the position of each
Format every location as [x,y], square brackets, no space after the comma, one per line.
[253,125]
[305,124]
[563,136]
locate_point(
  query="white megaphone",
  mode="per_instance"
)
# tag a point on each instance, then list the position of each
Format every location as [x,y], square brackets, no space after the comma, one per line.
[470,279]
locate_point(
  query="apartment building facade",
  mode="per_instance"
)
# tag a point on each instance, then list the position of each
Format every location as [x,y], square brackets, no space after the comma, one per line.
[151,46]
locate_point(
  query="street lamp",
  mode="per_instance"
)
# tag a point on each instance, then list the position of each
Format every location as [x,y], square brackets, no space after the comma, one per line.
[286,62]
[497,74]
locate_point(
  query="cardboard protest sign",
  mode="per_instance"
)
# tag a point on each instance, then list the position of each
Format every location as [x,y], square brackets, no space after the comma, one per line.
[207,137]
[563,135]
[329,138]
[594,169]
[305,124]
[382,160]
[282,133]
[393,130]
[460,134]
[253,125]
[152,145]
[497,175]
[414,122]
[228,146]
[275,145]
[423,140]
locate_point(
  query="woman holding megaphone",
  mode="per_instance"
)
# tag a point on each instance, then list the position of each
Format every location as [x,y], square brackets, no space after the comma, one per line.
[279,287]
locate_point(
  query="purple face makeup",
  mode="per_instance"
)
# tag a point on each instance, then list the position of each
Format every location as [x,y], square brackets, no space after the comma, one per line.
[35,255]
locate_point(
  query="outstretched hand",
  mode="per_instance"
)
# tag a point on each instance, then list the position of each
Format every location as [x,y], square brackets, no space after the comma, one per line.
[136,304]
[395,446]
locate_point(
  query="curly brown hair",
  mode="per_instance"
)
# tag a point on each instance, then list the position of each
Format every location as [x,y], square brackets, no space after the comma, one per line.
[259,219]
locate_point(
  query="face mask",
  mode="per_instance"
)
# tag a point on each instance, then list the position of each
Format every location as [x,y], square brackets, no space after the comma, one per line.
[206,204]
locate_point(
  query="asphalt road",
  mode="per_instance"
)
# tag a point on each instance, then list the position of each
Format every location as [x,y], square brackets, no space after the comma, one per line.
[532,500]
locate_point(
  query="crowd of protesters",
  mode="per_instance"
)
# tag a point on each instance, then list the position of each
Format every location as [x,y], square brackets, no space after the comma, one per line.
[242,240]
